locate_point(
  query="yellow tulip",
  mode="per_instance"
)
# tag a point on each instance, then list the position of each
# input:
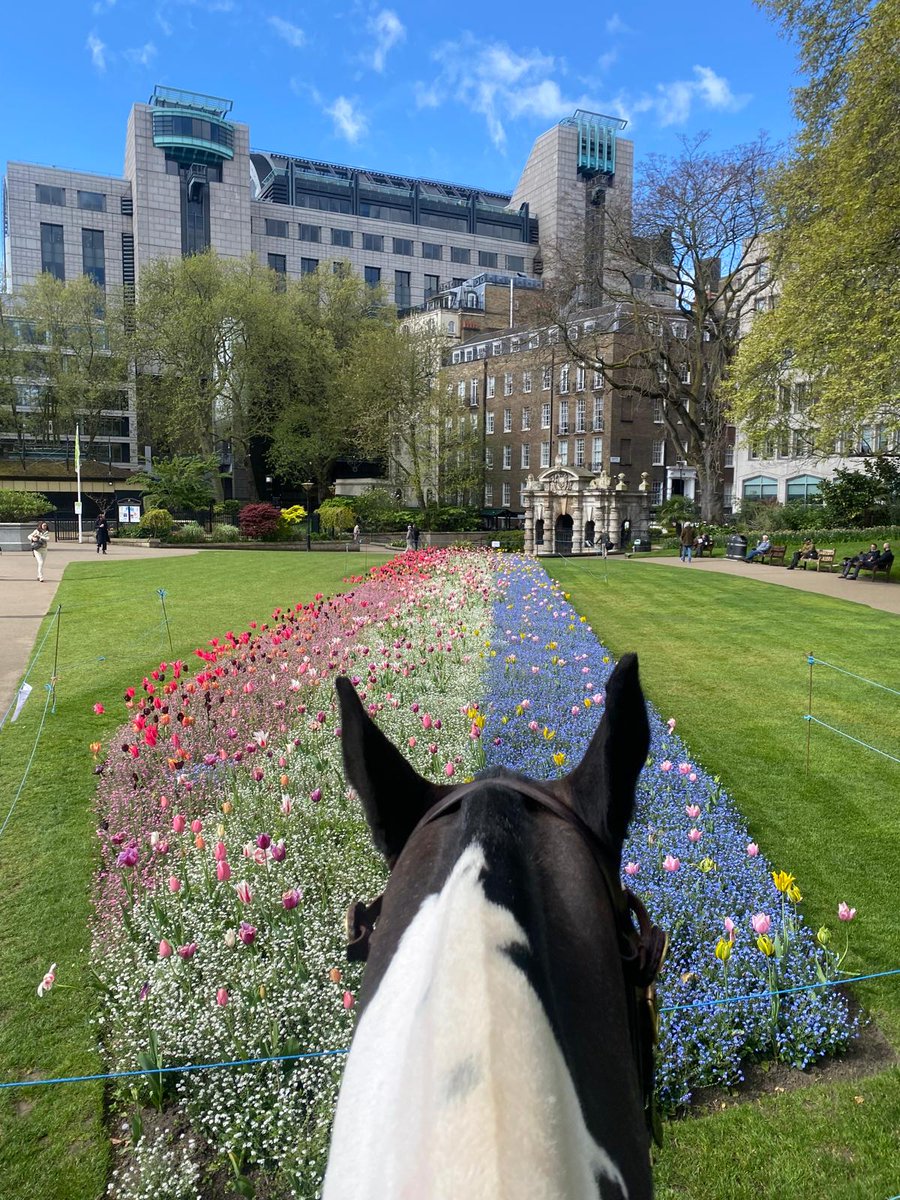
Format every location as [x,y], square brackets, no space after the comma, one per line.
[723,950]
[765,944]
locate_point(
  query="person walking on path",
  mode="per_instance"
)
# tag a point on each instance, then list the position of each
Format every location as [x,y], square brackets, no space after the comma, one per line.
[687,541]
[40,540]
[357,533]
[102,535]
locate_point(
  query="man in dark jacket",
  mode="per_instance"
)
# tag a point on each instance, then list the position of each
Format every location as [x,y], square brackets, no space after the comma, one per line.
[884,561]
[863,559]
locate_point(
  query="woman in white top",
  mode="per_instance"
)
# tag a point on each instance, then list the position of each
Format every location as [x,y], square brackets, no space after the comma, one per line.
[40,540]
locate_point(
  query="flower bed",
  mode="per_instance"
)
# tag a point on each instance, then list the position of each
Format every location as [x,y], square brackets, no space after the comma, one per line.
[230,850]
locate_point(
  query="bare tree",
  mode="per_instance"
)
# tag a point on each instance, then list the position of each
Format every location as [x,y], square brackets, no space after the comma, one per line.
[673,276]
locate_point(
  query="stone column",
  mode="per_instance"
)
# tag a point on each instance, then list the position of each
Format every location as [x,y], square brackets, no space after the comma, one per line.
[529,523]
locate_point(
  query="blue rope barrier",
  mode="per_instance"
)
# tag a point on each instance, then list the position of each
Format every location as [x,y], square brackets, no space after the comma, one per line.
[30,759]
[822,663]
[850,737]
[320,1054]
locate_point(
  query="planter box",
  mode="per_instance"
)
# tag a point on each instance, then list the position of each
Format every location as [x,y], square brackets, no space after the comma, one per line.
[14,535]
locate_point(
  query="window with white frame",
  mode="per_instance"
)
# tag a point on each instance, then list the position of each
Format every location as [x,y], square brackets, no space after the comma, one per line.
[507,494]
[515,345]
[563,416]
[552,336]
[684,372]
[534,340]
[546,378]
[526,381]
[656,491]
[507,420]
[597,418]
[580,406]
[469,354]
[579,452]
[657,412]
[598,381]
[564,378]
[545,416]
[461,389]
[545,454]
[488,457]
[489,422]
[526,419]
[579,379]
[507,458]
[488,495]
[727,496]
[456,356]
[507,383]
[496,347]
[526,455]
[491,384]
[563,450]
[658,453]
[597,454]
[728,460]
[473,392]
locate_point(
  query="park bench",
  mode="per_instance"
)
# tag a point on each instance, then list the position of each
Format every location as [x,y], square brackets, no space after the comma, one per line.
[884,570]
[774,557]
[699,551]
[825,559]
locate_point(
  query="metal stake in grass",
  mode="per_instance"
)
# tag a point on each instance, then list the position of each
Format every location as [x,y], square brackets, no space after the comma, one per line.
[811,660]
[161,592]
[56,658]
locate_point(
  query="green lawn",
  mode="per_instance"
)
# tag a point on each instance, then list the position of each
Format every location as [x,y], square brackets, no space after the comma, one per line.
[727,656]
[52,1140]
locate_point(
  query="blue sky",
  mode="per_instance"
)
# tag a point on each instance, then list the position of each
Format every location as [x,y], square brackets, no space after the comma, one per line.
[452,91]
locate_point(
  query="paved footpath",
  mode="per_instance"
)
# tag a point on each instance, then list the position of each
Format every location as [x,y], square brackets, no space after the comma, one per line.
[24,602]
[875,593]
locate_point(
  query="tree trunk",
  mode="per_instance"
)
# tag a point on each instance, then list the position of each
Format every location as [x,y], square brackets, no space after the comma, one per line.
[709,476]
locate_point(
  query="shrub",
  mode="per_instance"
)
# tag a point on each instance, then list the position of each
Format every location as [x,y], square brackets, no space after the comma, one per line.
[228,509]
[225,533]
[156,523]
[448,518]
[189,532]
[259,520]
[295,515]
[23,506]
[512,541]
[337,515]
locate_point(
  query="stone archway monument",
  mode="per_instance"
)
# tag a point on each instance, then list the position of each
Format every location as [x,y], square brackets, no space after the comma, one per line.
[572,510]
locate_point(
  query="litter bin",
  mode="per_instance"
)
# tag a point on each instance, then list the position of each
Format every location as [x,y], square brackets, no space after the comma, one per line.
[641,546]
[737,546]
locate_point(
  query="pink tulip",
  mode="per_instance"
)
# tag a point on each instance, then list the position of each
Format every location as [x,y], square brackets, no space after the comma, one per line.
[449,770]
[290,899]
[632,868]
[694,836]
[684,768]
[845,913]
[665,766]
[243,892]
[223,872]
[99,710]
[315,795]
[165,949]
[752,850]
[671,863]
[427,721]
[187,952]
[178,823]
[220,853]
[48,981]
[221,997]
[761,923]
[247,933]
[286,805]
[729,928]
[278,851]
[348,1000]
[693,811]
[671,724]
[196,827]
[174,884]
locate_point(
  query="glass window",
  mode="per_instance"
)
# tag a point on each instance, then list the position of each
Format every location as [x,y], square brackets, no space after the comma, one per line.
[597,454]
[309,266]
[473,392]
[564,378]
[277,229]
[579,379]
[507,383]
[515,262]
[803,487]
[579,415]
[402,289]
[432,285]
[507,458]
[459,224]
[546,378]
[93,256]
[597,421]
[487,258]
[507,420]
[52,251]
[383,212]
[563,449]
[545,416]
[432,250]
[526,381]
[323,203]
[579,452]
[373,241]
[488,457]
[310,233]
[658,453]
[403,246]
[657,412]
[598,381]
[491,385]
[93,201]
[278,262]
[489,422]
[372,276]
[545,454]
[507,494]
[526,418]
[760,487]
[526,456]
[656,492]
[45,193]
[461,389]
[459,254]
[509,233]
[563,416]
[342,237]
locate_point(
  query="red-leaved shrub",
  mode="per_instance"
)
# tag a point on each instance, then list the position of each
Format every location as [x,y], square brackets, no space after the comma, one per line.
[258,520]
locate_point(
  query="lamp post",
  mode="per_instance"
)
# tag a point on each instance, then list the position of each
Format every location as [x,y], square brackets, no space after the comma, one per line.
[307,486]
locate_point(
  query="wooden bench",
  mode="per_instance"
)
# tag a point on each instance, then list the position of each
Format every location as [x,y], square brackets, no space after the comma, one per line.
[774,557]
[825,559]
[701,550]
[876,571]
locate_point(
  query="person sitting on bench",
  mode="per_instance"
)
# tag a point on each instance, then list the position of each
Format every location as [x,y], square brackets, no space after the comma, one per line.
[806,552]
[859,560]
[763,546]
[702,544]
[882,562]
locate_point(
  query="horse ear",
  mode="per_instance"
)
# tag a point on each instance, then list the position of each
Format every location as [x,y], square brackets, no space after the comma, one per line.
[394,796]
[602,785]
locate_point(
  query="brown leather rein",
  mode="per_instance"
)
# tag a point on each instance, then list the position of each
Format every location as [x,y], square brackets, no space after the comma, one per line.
[642,949]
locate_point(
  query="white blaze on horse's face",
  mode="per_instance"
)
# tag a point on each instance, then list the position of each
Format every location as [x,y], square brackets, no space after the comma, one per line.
[456,1088]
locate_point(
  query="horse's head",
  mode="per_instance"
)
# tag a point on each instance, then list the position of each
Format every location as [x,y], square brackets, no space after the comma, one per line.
[504,909]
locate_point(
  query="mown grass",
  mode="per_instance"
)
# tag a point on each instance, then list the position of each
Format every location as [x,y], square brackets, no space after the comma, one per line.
[52,1140]
[727,656]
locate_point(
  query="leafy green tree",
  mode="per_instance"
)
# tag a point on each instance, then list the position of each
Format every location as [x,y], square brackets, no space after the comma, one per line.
[867,497]
[337,515]
[835,247]
[184,481]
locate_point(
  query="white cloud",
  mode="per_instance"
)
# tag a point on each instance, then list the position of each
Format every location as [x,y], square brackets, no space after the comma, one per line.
[292,34]
[615,25]
[499,83]
[349,122]
[142,56]
[388,30]
[675,100]
[98,51]
[102,6]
